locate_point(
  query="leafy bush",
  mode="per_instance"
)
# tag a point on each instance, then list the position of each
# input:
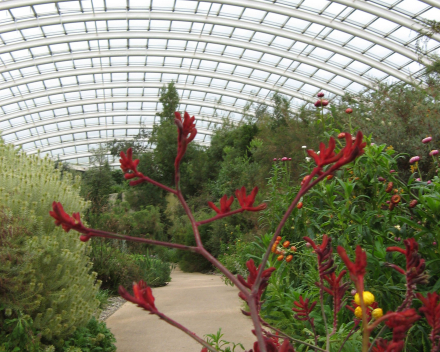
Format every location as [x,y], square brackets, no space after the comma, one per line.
[154,271]
[45,272]
[94,337]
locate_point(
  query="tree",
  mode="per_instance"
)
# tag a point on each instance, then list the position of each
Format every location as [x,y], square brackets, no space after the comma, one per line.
[170,102]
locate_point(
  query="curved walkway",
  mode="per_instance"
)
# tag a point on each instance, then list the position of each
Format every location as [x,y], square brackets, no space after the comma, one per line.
[202,303]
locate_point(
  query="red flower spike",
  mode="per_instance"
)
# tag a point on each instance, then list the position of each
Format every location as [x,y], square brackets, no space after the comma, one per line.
[127,163]
[304,309]
[400,323]
[431,310]
[249,283]
[67,222]
[272,347]
[143,296]
[356,269]
[337,288]
[325,154]
[225,205]
[415,269]
[247,202]
[381,345]
[186,131]
[350,151]
[324,253]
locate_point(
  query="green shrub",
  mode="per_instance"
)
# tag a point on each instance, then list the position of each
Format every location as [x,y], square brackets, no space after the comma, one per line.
[45,272]
[154,271]
[94,337]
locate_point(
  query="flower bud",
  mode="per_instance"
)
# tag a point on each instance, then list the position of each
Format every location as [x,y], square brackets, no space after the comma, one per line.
[320,94]
[433,152]
[413,203]
[358,312]
[377,313]
[426,140]
[368,298]
[414,159]
[348,111]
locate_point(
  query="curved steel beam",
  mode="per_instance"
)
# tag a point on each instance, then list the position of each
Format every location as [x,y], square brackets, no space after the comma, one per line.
[10,4]
[434,3]
[130,69]
[29,125]
[389,15]
[92,129]
[209,57]
[186,54]
[113,85]
[111,100]
[307,16]
[296,13]
[81,142]
[216,20]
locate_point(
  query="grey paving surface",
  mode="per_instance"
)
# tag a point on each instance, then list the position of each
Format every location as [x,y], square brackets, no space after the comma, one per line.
[203,303]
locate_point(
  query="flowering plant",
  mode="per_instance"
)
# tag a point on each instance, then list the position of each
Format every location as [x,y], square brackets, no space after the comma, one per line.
[328,160]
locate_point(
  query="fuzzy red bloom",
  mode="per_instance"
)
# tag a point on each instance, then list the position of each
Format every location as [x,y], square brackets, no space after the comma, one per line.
[272,347]
[337,288]
[304,309]
[381,345]
[186,129]
[400,323]
[247,202]
[143,296]
[415,269]
[128,164]
[326,155]
[249,283]
[324,253]
[66,221]
[431,309]
[356,269]
[225,205]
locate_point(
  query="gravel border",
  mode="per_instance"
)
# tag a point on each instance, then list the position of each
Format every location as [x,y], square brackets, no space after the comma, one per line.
[114,303]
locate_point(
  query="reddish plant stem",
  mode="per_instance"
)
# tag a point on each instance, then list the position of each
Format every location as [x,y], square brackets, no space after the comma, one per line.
[220,216]
[250,297]
[365,330]
[324,318]
[105,234]
[186,331]
[335,316]
[317,348]
[158,184]
[303,191]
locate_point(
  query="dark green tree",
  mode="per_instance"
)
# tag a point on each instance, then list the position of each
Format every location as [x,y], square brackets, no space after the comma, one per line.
[170,101]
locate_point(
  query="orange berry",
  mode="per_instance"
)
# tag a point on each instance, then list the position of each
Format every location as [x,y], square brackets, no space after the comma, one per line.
[274,248]
[279,238]
[299,205]
[329,177]
[293,248]
[286,244]
[289,258]
[280,257]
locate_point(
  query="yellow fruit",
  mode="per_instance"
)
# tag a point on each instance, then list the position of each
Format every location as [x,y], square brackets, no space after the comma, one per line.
[368,298]
[358,312]
[377,313]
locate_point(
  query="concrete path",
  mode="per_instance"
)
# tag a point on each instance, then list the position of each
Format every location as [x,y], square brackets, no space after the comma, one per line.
[202,303]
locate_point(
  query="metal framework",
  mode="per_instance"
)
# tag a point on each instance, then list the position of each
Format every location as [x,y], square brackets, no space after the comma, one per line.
[77,74]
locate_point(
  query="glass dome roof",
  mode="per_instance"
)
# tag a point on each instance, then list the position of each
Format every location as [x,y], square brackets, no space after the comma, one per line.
[76,74]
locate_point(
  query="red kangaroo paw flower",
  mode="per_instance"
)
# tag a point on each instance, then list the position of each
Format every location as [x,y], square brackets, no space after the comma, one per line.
[143,296]
[415,269]
[247,202]
[304,309]
[400,323]
[225,205]
[127,163]
[186,131]
[249,283]
[431,309]
[324,253]
[337,288]
[325,154]
[381,345]
[356,269]
[272,347]
[66,221]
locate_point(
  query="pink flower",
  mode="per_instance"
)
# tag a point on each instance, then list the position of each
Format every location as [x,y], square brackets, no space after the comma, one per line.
[284,158]
[321,103]
[433,152]
[274,159]
[429,182]
[418,179]
[426,140]
[320,94]
[392,171]
[414,159]
[290,159]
